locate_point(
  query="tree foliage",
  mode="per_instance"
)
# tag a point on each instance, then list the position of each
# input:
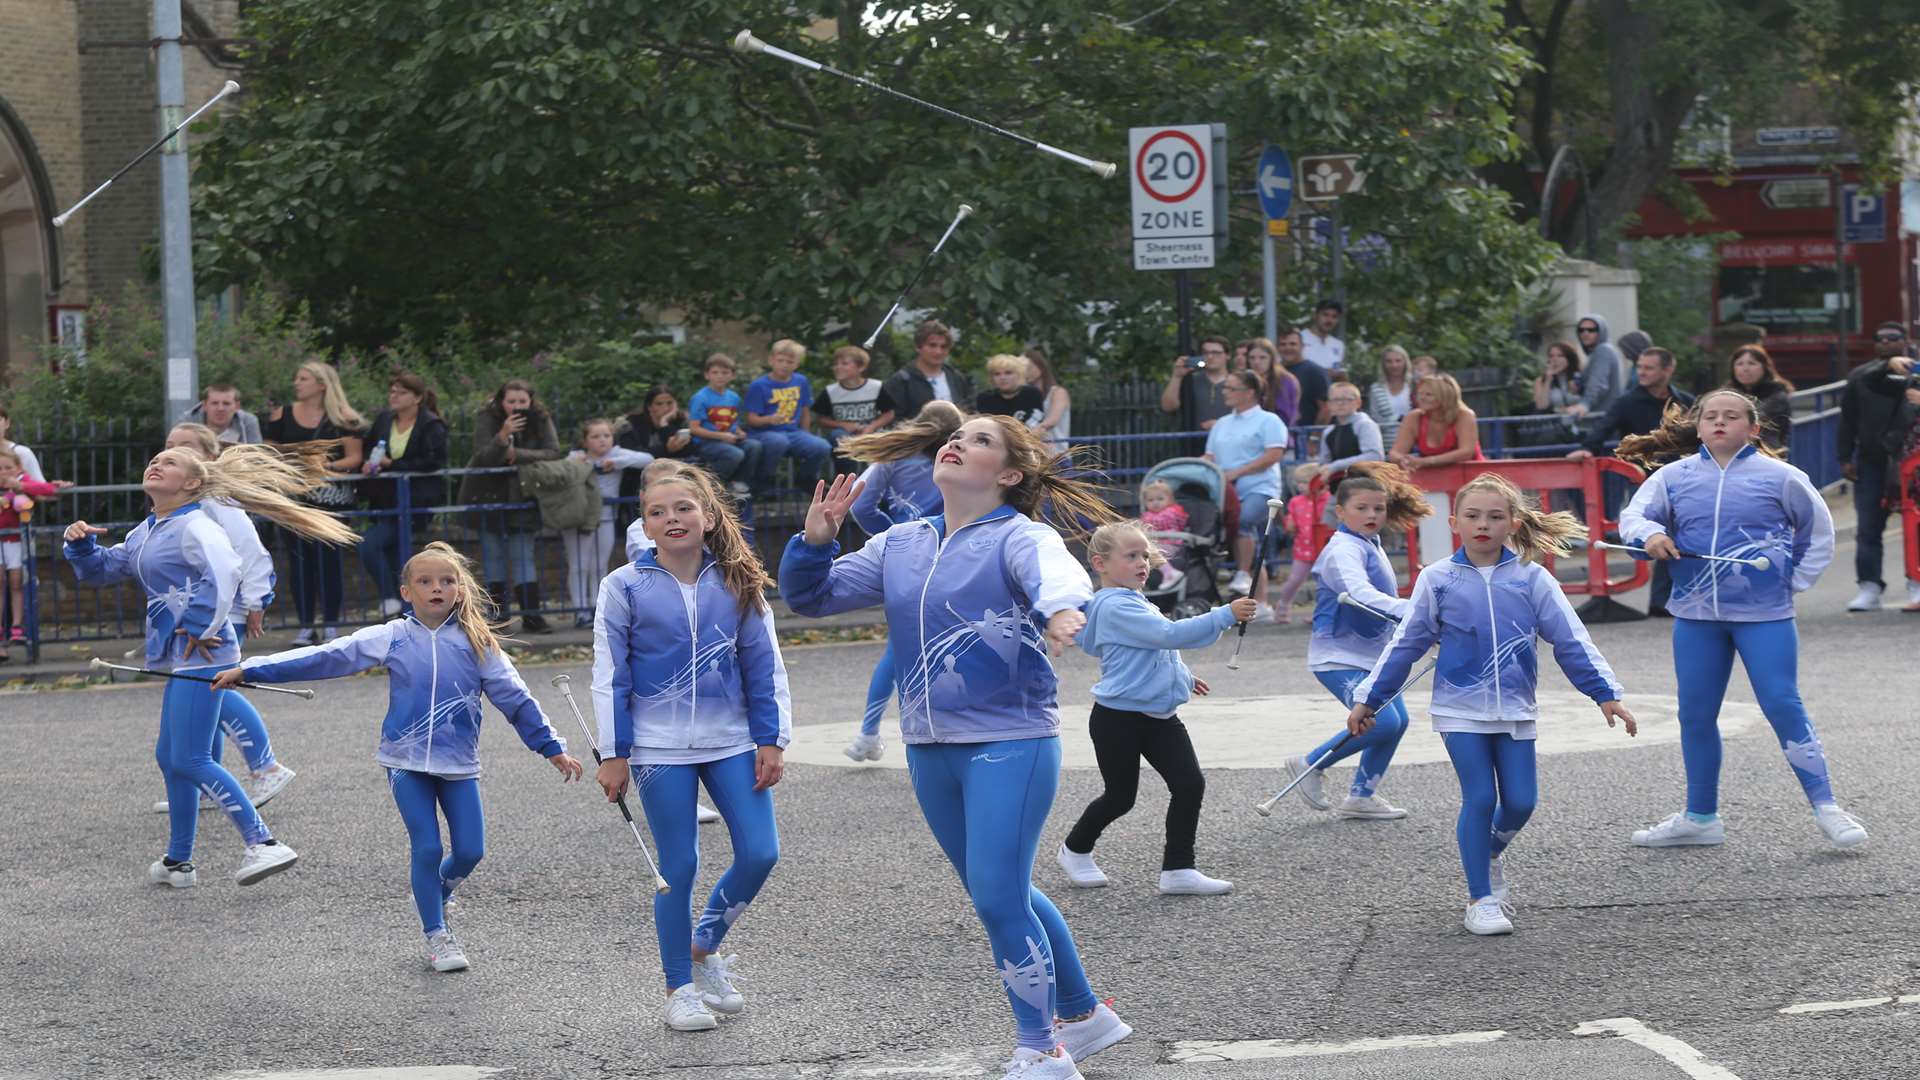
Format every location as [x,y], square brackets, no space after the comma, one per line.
[541,172]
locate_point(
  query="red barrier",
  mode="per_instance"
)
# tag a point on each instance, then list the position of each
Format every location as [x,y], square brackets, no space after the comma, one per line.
[1542,476]
[1909,515]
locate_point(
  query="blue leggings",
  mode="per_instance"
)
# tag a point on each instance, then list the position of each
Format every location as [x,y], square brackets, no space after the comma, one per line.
[1703,661]
[1498,789]
[417,794]
[189,724]
[986,804]
[241,722]
[669,794]
[1376,747]
[879,692]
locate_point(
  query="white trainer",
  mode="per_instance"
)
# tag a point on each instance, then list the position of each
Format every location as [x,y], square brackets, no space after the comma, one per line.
[307,636]
[182,876]
[1241,582]
[265,785]
[686,1012]
[1497,879]
[1679,830]
[714,979]
[1082,872]
[705,815]
[262,861]
[1081,1039]
[1191,882]
[1367,808]
[1263,612]
[1913,592]
[1867,599]
[444,952]
[1487,916]
[1841,827]
[1031,1064]
[1314,787]
[866,747]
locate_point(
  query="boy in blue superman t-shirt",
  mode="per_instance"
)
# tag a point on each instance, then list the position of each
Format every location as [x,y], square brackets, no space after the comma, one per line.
[713,417]
[777,418]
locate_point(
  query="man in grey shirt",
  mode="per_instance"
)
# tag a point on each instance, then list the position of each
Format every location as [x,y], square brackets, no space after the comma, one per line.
[220,410]
[1603,382]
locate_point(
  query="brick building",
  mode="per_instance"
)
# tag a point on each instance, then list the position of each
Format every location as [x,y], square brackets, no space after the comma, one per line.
[76,103]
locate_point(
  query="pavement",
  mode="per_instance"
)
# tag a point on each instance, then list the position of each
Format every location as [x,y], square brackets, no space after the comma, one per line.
[1339,956]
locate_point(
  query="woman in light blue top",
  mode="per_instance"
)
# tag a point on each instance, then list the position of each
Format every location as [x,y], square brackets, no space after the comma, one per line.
[974,598]
[1247,444]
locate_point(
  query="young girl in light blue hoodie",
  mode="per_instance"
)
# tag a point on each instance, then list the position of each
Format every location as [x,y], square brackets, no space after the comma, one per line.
[1142,682]
[974,599]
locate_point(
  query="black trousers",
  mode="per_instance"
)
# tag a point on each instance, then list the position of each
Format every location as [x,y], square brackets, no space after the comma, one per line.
[1120,740]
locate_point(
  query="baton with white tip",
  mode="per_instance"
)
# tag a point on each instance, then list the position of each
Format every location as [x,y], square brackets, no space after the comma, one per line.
[98,664]
[1274,506]
[1351,600]
[148,152]
[1265,809]
[565,684]
[1758,562]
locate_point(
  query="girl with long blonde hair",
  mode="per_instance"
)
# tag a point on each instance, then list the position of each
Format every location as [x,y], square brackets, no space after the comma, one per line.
[436,658]
[689,689]
[1486,608]
[191,575]
[319,416]
[975,597]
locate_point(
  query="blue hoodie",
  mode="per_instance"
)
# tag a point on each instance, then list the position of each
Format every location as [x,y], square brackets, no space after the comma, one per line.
[190,574]
[679,674]
[1347,637]
[964,677]
[435,682]
[896,491]
[1486,621]
[1757,505]
[1139,650]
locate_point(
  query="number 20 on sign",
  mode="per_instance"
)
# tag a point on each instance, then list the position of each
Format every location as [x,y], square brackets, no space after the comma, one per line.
[1170,173]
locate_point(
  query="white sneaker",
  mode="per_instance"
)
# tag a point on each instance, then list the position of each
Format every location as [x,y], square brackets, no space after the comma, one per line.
[1081,871]
[1241,582]
[1487,916]
[183,876]
[866,747]
[740,488]
[1913,592]
[1370,808]
[1263,612]
[1497,879]
[1082,1039]
[391,608]
[1841,827]
[1679,830]
[265,785]
[1030,1064]
[444,952]
[306,636]
[705,815]
[1314,787]
[714,979]
[1868,598]
[331,633]
[1191,882]
[262,861]
[686,1012]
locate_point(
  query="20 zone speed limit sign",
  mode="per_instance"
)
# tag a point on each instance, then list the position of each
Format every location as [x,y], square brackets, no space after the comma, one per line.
[1173,198]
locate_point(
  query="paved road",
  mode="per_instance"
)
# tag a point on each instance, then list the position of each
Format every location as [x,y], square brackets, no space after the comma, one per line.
[863,958]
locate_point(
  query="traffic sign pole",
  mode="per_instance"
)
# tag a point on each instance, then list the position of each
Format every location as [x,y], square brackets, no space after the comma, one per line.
[1273,183]
[1269,284]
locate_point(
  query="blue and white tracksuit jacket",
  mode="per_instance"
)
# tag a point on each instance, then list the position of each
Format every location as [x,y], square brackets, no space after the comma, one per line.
[684,674]
[964,618]
[1757,505]
[1486,622]
[190,574]
[256,563]
[896,491]
[1346,637]
[435,685]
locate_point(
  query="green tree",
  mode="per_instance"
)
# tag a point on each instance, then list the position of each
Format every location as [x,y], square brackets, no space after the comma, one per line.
[544,172]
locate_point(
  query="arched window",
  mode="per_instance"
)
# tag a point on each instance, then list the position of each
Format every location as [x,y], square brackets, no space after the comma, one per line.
[26,248]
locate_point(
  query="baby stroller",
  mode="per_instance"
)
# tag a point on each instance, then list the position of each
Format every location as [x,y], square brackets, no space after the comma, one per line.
[1201,490]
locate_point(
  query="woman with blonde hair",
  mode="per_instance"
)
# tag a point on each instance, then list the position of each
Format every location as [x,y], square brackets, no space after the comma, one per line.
[1441,430]
[190,573]
[320,413]
[1390,396]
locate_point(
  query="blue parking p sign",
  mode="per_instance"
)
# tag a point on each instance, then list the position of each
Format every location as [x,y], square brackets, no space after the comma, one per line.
[1864,216]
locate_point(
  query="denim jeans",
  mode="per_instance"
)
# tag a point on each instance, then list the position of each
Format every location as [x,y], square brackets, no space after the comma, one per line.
[381,554]
[499,547]
[318,579]
[728,461]
[808,451]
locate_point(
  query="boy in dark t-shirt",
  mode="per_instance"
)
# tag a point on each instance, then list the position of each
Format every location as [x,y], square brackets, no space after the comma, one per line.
[1011,395]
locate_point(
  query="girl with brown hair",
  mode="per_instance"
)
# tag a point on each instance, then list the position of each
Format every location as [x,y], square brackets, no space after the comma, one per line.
[512,428]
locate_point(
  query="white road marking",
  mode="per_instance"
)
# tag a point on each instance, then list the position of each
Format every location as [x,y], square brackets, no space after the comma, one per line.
[415,1072]
[1835,1006]
[1262,732]
[1211,1050]
[1684,1057]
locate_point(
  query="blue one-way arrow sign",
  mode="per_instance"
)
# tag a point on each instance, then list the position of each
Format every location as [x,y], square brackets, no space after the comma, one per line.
[1275,181]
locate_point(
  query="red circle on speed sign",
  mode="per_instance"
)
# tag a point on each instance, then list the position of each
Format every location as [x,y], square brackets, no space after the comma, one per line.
[1146,182]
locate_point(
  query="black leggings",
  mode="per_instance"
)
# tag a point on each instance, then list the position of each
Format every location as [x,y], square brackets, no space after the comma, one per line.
[317,579]
[1120,740]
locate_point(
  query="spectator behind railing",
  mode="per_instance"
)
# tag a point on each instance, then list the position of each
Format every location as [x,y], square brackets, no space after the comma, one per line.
[1282,394]
[778,415]
[408,436]
[1642,411]
[659,428]
[1314,381]
[1390,397]
[512,428]
[1894,378]
[589,549]
[1753,374]
[28,463]
[1555,390]
[1867,427]
[851,403]
[719,435]
[18,494]
[219,409]
[1248,444]
[1351,435]
[1056,422]
[1439,431]
[928,378]
[319,412]
[1199,403]
[1010,394]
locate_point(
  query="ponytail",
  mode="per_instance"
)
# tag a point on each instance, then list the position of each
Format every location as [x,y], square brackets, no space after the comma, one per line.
[924,434]
[1678,435]
[474,601]
[1406,504]
[261,480]
[1536,533]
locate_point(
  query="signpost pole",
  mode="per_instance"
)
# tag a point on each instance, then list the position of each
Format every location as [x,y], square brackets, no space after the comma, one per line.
[1269,284]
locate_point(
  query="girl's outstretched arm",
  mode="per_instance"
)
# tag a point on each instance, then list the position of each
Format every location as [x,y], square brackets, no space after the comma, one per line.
[365,648]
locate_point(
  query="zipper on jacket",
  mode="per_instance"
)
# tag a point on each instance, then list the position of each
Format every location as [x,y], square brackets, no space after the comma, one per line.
[1714,544]
[1493,627]
[693,651]
[926,682]
[433,693]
